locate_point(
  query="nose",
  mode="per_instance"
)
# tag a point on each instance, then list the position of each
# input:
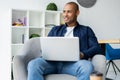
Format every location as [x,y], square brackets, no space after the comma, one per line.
[65,14]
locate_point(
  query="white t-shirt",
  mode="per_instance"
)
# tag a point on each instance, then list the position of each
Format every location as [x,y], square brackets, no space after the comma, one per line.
[69,32]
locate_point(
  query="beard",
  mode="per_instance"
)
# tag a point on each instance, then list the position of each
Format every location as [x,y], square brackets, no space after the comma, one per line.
[70,21]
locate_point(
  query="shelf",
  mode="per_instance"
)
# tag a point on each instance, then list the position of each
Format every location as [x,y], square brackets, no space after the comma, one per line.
[35,31]
[20,44]
[19,35]
[27,22]
[53,12]
[36,27]
[20,27]
[36,18]
[24,23]
[52,17]
[48,28]
[19,17]
[16,49]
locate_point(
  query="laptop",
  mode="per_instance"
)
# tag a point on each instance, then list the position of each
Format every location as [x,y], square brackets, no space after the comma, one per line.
[60,48]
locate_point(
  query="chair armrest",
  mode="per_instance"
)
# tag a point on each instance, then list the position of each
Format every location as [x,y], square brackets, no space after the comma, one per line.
[31,50]
[99,63]
[19,68]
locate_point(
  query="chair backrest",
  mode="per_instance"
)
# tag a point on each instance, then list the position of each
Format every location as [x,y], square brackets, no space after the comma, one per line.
[111,53]
[31,49]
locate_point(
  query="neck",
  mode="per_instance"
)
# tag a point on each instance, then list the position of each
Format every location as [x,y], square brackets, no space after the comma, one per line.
[71,24]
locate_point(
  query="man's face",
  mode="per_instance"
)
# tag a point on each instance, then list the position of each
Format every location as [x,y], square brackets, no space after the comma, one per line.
[69,14]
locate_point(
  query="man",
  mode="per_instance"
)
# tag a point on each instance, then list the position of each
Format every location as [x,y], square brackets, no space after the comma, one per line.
[89,47]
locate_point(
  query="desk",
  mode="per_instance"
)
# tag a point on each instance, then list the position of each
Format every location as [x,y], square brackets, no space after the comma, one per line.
[103,42]
[114,41]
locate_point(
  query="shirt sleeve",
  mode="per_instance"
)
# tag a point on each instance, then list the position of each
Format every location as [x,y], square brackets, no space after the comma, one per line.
[93,46]
[52,31]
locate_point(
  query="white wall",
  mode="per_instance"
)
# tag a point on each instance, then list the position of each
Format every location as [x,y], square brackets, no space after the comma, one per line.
[103,17]
[5,32]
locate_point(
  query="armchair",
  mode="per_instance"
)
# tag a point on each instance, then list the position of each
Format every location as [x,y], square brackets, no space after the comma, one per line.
[31,50]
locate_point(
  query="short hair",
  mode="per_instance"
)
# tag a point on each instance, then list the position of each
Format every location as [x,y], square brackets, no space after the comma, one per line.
[75,5]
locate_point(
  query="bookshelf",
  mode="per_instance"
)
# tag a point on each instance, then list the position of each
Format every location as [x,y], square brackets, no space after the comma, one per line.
[24,23]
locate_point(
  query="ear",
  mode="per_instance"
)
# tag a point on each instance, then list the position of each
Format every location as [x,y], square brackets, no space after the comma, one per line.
[78,12]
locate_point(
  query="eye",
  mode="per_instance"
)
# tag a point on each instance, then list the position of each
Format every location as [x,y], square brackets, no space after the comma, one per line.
[63,11]
[68,11]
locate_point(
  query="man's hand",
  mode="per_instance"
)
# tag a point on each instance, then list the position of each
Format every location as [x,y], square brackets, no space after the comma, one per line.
[81,55]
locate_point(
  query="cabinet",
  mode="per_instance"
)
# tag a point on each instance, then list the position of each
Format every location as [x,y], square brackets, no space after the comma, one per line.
[27,22]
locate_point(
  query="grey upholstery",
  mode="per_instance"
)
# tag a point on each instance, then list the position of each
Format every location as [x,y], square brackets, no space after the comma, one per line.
[31,50]
[99,62]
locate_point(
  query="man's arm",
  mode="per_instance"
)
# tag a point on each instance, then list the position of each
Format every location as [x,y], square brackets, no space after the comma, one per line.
[93,46]
[52,31]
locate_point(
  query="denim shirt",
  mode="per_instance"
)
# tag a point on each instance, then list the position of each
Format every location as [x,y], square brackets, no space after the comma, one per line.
[87,40]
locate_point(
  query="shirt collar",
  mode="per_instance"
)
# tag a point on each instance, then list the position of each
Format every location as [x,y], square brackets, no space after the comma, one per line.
[75,26]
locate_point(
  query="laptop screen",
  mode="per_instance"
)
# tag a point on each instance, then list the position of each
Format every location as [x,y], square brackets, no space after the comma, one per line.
[60,48]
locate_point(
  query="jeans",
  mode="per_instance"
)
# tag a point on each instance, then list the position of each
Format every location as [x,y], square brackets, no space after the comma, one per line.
[39,67]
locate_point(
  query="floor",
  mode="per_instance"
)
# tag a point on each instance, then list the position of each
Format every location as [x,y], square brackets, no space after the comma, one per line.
[111,75]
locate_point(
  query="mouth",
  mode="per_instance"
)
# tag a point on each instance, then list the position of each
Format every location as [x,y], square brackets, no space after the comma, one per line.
[66,18]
